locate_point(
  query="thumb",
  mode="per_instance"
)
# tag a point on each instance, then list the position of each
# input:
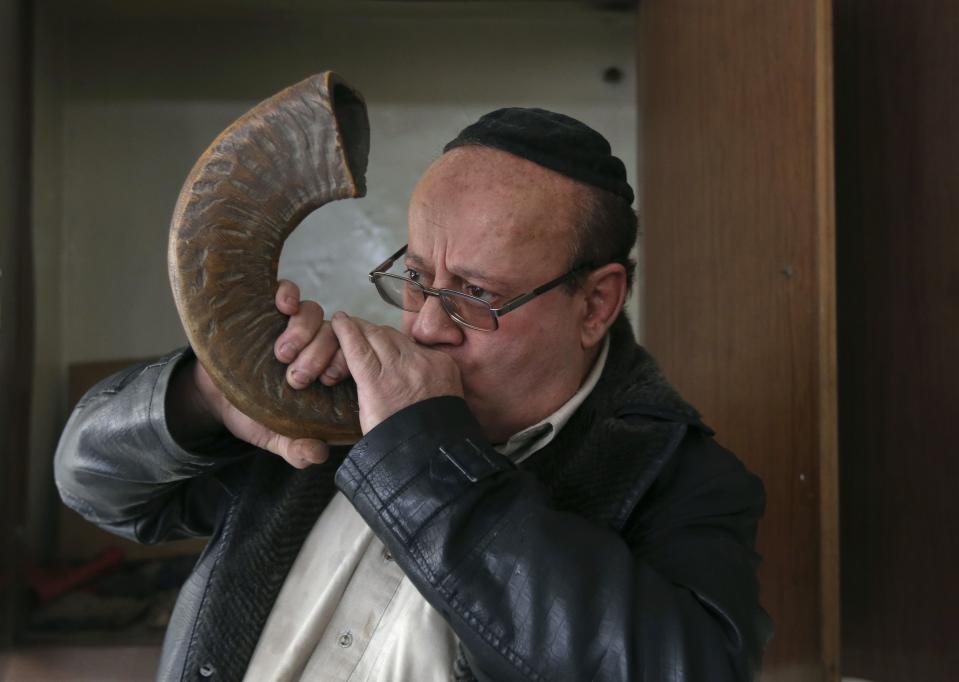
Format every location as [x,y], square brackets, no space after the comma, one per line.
[360,356]
[300,452]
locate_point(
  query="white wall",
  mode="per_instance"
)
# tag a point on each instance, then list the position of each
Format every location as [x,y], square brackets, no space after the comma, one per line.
[130,97]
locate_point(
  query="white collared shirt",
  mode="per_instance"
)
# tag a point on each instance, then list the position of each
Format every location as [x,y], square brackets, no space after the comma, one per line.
[533,438]
[347,612]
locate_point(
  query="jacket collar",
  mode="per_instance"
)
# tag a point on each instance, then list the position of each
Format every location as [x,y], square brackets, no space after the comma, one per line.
[612,449]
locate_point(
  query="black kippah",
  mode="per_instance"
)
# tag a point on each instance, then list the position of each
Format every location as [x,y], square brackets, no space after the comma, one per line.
[552,140]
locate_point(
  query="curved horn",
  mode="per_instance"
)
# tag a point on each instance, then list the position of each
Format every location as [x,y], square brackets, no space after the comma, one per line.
[286,157]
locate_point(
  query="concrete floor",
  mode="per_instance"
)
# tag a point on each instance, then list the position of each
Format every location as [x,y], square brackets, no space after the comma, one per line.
[80,664]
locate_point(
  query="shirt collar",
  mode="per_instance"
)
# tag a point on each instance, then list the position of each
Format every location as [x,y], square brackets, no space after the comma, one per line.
[524,443]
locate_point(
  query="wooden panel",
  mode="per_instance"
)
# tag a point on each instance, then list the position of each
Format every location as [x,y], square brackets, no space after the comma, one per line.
[736,203]
[897,104]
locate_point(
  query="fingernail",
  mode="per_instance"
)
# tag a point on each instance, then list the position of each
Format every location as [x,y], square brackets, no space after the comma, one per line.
[314,452]
[289,300]
[340,314]
[287,350]
[332,374]
[299,379]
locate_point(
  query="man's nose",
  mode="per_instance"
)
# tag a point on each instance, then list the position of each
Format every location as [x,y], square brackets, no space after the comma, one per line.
[433,326]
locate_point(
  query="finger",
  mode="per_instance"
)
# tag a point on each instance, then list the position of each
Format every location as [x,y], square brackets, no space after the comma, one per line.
[299,332]
[359,354]
[300,452]
[314,359]
[383,340]
[337,370]
[309,450]
[287,297]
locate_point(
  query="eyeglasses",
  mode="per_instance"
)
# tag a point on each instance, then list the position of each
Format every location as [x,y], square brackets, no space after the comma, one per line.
[469,311]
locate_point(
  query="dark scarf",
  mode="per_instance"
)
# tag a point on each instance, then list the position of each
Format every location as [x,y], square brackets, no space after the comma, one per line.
[598,466]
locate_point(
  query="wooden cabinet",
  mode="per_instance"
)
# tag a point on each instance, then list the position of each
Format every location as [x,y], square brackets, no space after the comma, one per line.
[748,262]
[897,201]
[736,203]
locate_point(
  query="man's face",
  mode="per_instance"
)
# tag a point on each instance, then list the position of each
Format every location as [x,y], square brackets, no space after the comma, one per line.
[495,225]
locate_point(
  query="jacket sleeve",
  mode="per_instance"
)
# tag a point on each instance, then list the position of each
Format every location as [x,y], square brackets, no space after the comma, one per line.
[119,467]
[536,593]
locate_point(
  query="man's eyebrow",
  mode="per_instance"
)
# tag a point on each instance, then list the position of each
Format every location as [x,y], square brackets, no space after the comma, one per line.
[465,273]
[416,260]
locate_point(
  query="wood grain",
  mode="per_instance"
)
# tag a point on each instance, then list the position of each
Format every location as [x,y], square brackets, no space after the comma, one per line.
[897,103]
[291,154]
[736,201]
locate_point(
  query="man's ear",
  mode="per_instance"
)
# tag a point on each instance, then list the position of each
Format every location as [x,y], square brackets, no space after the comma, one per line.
[605,292]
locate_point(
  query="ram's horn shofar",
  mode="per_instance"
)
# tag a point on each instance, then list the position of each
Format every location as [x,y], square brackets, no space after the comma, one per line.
[286,157]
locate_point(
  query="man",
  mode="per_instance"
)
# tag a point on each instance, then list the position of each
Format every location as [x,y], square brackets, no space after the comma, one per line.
[530,501]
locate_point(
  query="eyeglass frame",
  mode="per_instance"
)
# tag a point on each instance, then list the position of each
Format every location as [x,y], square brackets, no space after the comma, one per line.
[495,313]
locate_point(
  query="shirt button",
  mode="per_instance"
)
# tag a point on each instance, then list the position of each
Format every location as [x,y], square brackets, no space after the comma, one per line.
[345,640]
[207,670]
[387,555]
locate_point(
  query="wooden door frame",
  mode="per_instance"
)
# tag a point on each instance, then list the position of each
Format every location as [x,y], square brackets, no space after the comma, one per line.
[16,306]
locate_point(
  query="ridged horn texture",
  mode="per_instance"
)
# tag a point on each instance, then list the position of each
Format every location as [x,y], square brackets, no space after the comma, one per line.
[286,157]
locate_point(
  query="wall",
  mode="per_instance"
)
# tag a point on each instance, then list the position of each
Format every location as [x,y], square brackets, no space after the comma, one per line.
[130,96]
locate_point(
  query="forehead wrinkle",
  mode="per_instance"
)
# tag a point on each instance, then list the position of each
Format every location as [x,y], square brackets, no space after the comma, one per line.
[469,274]
[416,260]
[465,273]
[516,205]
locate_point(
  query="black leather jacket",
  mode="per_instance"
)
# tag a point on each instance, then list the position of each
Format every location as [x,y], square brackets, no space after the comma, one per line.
[624,550]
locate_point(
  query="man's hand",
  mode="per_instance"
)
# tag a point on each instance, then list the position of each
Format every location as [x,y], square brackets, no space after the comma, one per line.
[308,344]
[299,452]
[197,408]
[391,370]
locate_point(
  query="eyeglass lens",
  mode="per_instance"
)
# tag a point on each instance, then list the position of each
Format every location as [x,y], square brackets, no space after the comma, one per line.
[403,293]
[400,292]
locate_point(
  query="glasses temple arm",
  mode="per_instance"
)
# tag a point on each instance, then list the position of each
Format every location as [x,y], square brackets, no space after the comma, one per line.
[514,303]
[388,263]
